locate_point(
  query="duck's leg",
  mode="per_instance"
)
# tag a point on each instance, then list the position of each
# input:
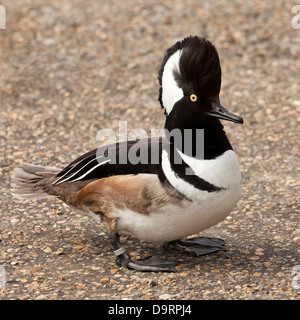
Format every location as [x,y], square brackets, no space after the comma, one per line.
[198,246]
[146,264]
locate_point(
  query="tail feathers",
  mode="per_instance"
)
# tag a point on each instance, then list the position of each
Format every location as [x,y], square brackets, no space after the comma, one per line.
[30,181]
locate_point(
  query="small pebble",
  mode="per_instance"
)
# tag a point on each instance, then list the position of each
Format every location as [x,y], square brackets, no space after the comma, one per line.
[60,251]
[297,241]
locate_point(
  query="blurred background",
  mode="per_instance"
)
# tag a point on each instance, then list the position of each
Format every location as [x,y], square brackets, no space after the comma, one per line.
[71,68]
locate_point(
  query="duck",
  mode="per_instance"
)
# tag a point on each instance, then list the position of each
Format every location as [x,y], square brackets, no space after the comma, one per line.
[187,180]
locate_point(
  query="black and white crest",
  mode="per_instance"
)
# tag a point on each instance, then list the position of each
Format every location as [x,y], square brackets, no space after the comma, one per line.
[190,66]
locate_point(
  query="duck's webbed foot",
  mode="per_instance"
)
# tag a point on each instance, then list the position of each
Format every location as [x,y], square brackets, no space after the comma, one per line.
[198,246]
[153,264]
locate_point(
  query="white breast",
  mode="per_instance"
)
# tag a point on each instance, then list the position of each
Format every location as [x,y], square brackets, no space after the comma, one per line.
[174,222]
[205,209]
[224,172]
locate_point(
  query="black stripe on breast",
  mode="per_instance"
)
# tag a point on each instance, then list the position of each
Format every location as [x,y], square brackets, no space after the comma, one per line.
[181,169]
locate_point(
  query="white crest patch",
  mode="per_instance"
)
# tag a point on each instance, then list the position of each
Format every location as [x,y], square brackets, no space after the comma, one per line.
[171,93]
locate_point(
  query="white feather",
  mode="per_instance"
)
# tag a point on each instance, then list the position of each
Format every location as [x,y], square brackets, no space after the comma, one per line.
[223,171]
[82,176]
[98,165]
[171,93]
[182,186]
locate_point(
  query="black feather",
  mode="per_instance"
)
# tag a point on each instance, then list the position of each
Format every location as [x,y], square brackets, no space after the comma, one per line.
[89,160]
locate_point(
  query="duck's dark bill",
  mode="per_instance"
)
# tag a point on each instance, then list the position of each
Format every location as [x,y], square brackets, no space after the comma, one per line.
[220,112]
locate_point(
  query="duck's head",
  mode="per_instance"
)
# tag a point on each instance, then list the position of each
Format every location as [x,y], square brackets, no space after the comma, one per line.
[190,82]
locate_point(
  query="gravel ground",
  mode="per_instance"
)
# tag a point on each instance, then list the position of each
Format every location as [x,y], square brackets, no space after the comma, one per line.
[70,68]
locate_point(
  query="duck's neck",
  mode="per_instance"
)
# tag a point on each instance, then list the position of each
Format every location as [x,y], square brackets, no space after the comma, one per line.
[189,138]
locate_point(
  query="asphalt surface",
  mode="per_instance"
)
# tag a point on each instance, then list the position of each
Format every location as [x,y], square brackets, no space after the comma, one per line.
[71,68]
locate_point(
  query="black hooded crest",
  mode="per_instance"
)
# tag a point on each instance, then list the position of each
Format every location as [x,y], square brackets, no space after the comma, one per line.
[199,68]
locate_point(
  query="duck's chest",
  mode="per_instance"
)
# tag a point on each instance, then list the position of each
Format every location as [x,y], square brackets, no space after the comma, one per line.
[222,172]
[199,210]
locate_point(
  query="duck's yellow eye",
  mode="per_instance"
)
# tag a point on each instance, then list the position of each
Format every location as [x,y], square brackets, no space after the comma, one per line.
[193,97]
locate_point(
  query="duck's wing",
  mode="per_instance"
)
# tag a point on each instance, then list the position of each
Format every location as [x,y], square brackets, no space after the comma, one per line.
[122,158]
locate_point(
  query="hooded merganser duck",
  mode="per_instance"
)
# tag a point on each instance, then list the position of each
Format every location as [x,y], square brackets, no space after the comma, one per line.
[167,200]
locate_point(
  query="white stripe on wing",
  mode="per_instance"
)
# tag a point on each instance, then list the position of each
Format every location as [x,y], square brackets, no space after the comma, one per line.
[99,164]
[74,166]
